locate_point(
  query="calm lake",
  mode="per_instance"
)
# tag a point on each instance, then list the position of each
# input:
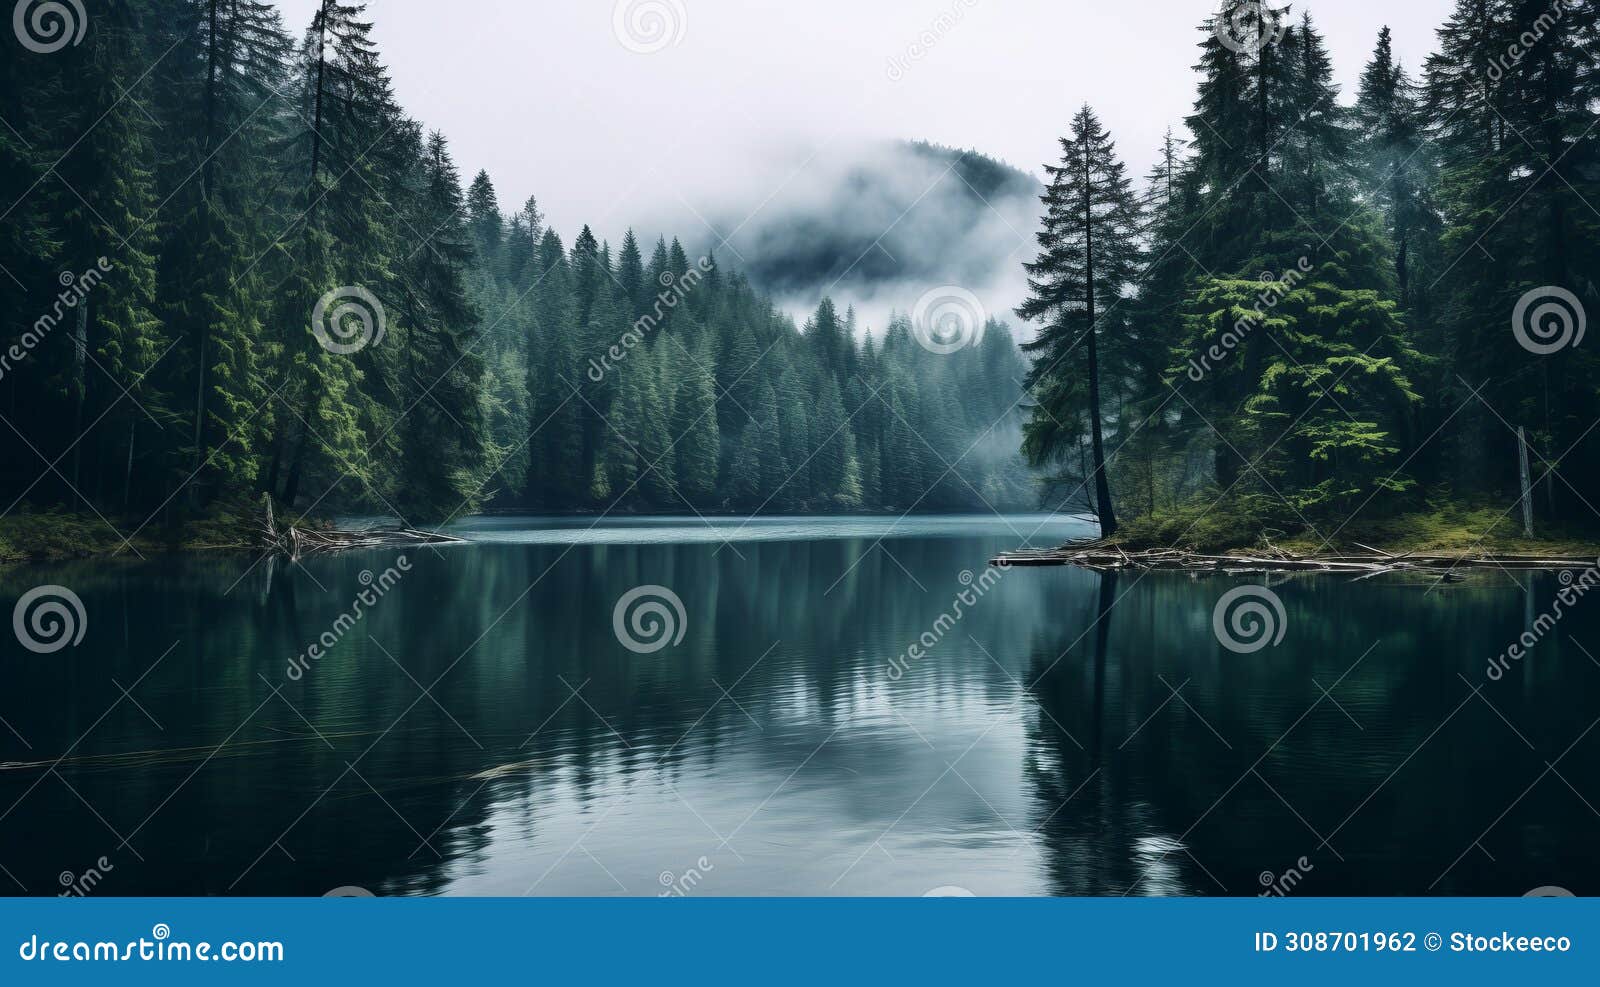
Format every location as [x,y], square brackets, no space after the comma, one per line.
[482,727]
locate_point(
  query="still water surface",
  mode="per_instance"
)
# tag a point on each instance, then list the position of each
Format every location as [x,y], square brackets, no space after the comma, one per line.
[480,729]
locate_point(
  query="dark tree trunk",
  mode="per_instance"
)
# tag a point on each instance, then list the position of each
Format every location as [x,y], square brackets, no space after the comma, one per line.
[1102,488]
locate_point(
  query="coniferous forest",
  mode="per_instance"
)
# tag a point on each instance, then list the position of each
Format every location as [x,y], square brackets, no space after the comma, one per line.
[234,266]
[255,273]
[534,449]
[1315,307]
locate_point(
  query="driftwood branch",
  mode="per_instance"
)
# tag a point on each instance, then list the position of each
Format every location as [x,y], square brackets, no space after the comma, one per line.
[295,540]
[1102,556]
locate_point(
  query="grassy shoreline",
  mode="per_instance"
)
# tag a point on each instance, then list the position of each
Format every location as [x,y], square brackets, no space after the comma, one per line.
[1449,530]
[56,535]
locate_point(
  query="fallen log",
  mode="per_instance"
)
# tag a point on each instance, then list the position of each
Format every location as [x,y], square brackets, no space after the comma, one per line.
[1102,556]
[295,540]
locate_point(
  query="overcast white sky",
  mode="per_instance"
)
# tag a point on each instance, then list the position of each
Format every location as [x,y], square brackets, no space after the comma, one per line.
[544,95]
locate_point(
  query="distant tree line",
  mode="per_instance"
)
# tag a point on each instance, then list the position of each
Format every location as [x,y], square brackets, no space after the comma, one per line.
[1313,311]
[234,265]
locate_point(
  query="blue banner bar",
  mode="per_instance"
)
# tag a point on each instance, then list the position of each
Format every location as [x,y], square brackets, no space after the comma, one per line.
[810,941]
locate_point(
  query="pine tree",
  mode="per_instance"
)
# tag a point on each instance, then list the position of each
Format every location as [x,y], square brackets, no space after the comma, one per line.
[630,277]
[207,280]
[696,432]
[1088,257]
[346,108]
[485,220]
[104,200]
[441,432]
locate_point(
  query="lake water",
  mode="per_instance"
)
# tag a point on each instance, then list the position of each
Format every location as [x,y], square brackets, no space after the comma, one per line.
[481,727]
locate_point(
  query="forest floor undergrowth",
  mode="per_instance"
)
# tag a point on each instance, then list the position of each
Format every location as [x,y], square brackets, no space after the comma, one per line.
[1443,529]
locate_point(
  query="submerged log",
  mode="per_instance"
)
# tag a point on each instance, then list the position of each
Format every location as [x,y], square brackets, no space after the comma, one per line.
[1102,556]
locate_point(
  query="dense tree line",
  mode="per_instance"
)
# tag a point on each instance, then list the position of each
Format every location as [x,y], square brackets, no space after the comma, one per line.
[233,264]
[1315,310]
